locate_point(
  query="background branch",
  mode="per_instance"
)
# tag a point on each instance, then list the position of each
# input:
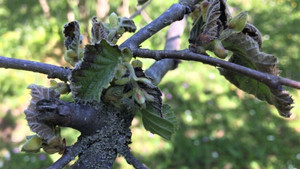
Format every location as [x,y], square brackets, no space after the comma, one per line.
[51,70]
[268,79]
[159,69]
[140,10]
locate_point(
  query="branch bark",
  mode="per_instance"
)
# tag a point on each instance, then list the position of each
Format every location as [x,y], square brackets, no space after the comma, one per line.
[69,154]
[51,70]
[130,158]
[174,13]
[268,79]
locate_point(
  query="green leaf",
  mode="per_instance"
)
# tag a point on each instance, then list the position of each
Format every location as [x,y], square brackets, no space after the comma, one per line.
[95,72]
[246,52]
[156,124]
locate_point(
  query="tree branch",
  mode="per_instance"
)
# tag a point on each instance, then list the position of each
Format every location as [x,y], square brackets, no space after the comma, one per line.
[130,158]
[69,154]
[83,118]
[51,70]
[140,10]
[268,79]
[174,13]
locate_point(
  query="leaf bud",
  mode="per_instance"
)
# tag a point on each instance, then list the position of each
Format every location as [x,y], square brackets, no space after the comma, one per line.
[219,49]
[238,22]
[139,96]
[33,144]
[137,63]
[204,6]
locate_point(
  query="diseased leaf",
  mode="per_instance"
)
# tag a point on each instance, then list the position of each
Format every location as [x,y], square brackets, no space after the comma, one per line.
[151,90]
[254,33]
[39,93]
[72,34]
[246,53]
[156,124]
[216,20]
[209,25]
[73,40]
[98,31]
[95,72]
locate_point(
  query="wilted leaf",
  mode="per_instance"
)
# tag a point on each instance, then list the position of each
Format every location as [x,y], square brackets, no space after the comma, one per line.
[72,34]
[156,124]
[151,90]
[217,16]
[246,53]
[39,93]
[98,31]
[209,25]
[95,72]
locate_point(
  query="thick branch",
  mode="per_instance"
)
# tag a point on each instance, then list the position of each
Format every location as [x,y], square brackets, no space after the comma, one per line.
[268,79]
[83,118]
[51,70]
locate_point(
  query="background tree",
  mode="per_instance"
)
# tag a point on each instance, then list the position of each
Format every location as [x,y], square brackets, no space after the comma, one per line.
[214,145]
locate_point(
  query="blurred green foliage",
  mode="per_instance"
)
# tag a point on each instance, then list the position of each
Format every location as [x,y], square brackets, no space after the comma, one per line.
[220,126]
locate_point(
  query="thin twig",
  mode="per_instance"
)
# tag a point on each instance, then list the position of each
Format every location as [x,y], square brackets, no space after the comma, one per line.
[69,154]
[51,70]
[140,10]
[130,158]
[268,79]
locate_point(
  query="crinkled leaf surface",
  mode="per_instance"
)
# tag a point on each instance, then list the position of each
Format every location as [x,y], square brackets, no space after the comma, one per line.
[38,93]
[95,72]
[153,122]
[72,36]
[204,31]
[246,52]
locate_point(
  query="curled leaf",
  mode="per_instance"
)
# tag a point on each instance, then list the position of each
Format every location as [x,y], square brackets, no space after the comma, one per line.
[246,52]
[254,33]
[209,25]
[98,31]
[73,40]
[216,20]
[38,93]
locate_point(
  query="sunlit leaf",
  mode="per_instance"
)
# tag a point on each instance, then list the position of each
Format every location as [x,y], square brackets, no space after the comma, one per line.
[95,72]
[153,122]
